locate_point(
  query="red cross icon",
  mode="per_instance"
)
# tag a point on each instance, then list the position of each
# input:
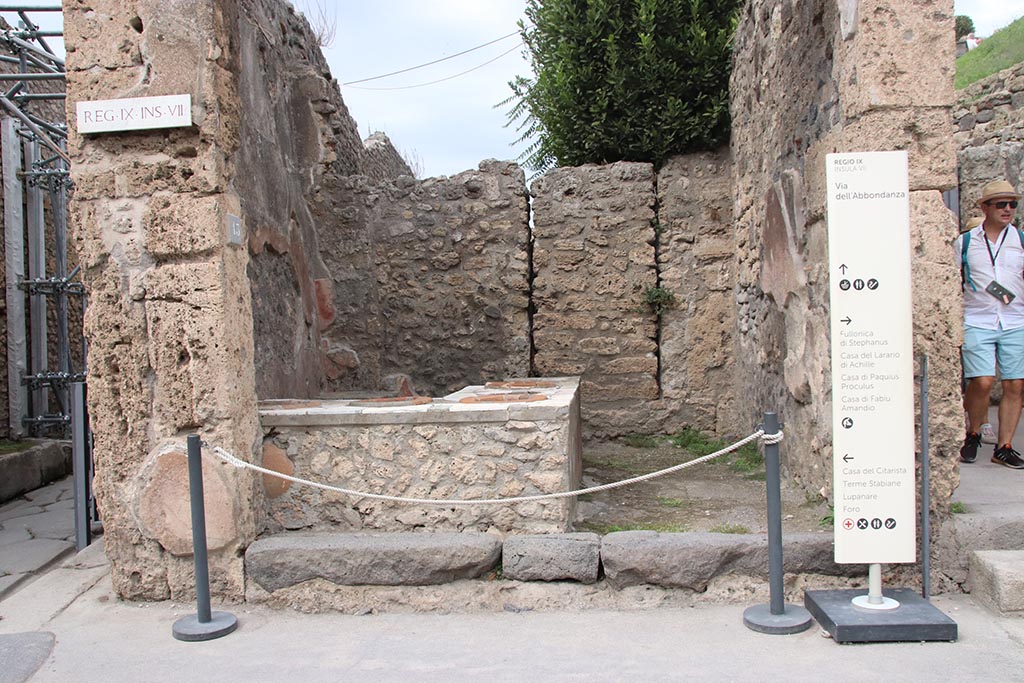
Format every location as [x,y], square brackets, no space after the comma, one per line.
[847,523]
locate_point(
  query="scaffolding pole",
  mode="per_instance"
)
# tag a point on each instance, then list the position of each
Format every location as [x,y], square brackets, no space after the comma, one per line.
[36,270]
[14,252]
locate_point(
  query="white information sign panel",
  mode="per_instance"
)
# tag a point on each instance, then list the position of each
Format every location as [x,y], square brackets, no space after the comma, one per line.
[872,357]
[136,113]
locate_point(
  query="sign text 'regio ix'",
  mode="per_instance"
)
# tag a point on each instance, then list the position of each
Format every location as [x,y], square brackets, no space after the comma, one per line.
[135,113]
[872,361]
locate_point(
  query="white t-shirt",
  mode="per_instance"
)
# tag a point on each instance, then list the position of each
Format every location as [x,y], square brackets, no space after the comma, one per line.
[981,309]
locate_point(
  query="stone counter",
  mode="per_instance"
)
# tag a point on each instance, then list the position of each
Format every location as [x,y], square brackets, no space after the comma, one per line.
[501,440]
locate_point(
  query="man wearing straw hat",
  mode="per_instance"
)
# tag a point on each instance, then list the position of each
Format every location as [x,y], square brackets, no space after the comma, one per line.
[991,260]
[988,434]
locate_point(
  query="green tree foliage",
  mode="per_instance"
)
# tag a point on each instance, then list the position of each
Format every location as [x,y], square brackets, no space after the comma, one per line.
[964,26]
[635,80]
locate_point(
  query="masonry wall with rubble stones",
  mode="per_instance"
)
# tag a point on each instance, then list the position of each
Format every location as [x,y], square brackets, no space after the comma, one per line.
[593,261]
[187,330]
[812,78]
[696,262]
[456,460]
[988,125]
[429,279]
[604,237]
[173,306]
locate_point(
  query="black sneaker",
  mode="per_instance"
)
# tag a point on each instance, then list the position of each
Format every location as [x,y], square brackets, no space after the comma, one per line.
[969,451]
[1007,457]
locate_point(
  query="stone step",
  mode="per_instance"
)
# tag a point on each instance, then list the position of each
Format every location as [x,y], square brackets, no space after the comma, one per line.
[552,557]
[370,558]
[994,527]
[996,580]
[629,558]
[692,560]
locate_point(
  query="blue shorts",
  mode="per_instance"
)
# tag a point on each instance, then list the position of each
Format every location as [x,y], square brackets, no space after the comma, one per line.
[982,349]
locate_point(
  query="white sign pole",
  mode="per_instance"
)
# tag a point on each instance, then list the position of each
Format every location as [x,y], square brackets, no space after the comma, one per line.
[872,361]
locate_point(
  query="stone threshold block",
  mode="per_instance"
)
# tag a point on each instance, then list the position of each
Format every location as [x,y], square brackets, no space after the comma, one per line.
[996,580]
[552,557]
[36,466]
[691,560]
[366,558]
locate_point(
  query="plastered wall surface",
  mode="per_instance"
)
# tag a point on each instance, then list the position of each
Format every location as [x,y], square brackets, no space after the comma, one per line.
[812,78]
[296,142]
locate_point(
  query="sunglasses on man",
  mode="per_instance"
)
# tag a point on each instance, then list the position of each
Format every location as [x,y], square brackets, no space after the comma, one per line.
[1003,205]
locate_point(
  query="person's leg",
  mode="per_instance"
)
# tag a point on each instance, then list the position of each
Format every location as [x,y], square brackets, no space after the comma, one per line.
[1009,410]
[1010,356]
[979,362]
[976,400]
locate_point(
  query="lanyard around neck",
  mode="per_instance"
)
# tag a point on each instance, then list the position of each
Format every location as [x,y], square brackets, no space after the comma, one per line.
[991,256]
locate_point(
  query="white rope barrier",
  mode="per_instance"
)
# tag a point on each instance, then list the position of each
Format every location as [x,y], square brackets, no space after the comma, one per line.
[232,460]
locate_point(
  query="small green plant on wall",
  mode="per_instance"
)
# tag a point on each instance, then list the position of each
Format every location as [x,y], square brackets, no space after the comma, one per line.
[659,299]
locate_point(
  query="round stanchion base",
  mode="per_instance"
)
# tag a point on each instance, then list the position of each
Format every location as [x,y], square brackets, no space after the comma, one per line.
[794,619]
[864,602]
[191,629]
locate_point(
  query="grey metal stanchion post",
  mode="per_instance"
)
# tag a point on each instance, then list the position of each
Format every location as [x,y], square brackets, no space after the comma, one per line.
[776,617]
[80,465]
[926,499]
[204,625]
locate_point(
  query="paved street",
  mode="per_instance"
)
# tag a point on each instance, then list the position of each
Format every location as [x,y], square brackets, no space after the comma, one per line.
[98,638]
[35,530]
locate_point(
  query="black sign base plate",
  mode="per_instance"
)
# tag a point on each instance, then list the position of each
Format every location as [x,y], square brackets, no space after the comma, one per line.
[915,619]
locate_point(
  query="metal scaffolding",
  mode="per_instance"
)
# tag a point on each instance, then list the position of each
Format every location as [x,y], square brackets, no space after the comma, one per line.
[36,183]
[46,396]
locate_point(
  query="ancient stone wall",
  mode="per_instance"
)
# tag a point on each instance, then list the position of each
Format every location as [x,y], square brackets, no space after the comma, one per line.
[594,260]
[350,270]
[988,124]
[696,262]
[296,140]
[812,78]
[169,319]
[430,279]
[991,110]
[381,161]
[605,239]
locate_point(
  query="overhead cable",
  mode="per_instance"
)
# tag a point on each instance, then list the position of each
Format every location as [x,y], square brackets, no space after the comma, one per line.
[441,80]
[436,61]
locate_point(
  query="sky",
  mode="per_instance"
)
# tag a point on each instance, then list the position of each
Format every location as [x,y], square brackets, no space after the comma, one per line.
[450,126]
[446,127]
